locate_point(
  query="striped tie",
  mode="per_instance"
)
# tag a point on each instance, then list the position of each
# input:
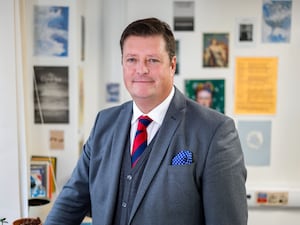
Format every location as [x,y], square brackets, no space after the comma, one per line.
[140,139]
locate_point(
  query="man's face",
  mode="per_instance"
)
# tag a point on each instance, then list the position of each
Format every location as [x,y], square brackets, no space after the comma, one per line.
[147,70]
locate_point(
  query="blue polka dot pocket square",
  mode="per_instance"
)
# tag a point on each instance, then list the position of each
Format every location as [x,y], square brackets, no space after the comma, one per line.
[184,157]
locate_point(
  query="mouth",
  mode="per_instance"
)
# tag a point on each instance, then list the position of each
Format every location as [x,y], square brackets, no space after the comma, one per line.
[143,81]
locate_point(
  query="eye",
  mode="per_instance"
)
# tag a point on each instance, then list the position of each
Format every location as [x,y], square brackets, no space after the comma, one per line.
[153,60]
[131,60]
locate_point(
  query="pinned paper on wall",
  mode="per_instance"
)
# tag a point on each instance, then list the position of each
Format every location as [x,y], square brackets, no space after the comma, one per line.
[57,140]
[256,85]
[255,139]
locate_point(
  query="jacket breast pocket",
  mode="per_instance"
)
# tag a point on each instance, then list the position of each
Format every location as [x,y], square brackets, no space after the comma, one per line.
[182,178]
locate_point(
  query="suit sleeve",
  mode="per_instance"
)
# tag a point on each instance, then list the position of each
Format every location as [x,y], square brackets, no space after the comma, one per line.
[73,202]
[224,179]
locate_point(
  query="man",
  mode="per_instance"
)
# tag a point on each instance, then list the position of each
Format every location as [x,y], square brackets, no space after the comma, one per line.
[192,171]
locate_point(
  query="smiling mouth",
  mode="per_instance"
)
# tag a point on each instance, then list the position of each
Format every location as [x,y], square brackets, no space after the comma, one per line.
[142,81]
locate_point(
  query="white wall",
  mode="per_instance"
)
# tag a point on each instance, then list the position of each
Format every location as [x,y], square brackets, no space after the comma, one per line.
[38,135]
[105,21]
[13,170]
[220,16]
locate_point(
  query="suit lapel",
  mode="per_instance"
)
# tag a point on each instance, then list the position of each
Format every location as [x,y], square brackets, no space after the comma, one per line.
[120,136]
[159,149]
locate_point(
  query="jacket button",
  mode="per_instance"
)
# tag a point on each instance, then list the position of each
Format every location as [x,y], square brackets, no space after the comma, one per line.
[124,204]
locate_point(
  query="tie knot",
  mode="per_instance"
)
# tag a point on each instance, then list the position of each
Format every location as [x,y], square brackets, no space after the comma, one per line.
[145,120]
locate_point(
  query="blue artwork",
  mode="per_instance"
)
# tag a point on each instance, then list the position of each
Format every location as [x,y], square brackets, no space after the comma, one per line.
[51,25]
[255,139]
[113,92]
[276,25]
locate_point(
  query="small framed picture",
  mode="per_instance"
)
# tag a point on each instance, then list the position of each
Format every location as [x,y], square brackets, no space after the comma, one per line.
[112,92]
[39,179]
[207,92]
[245,32]
[51,94]
[51,162]
[215,49]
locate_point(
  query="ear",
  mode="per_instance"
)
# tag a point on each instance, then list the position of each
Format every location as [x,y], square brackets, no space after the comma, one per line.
[173,64]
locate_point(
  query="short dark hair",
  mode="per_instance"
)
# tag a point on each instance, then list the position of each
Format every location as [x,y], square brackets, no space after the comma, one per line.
[150,27]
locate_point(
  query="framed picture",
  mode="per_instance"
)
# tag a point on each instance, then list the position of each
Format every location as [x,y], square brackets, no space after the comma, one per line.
[184,15]
[245,32]
[276,21]
[255,139]
[51,30]
[52,164]
[39,179]
[208,92]
[51,94]
[215,49]
[112,92]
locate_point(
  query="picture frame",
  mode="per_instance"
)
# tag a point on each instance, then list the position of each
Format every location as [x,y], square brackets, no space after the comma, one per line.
[51,33]
[215,87]
[246,32]
[215,50]
[52,168]
[51,94]
[184,15]
[39,179]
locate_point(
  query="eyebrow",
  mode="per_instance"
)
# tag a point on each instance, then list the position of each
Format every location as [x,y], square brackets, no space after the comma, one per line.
[147,55]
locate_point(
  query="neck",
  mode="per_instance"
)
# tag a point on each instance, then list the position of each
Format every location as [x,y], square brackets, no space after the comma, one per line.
[146,105]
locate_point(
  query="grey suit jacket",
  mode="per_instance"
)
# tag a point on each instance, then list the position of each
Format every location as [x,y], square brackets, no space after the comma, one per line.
[209,191]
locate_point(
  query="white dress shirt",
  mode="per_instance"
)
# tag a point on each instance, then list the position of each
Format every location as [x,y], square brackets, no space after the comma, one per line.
[157,115]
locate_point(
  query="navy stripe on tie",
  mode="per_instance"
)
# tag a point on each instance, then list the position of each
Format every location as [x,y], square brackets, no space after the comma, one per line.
[140,140]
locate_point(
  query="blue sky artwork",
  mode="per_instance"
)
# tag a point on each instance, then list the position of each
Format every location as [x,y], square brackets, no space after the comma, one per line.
[276,25]
[51,26]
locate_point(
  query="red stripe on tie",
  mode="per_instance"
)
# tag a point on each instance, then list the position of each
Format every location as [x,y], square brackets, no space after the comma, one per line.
[140,139]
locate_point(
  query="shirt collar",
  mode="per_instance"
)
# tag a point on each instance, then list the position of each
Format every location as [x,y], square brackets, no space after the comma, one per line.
[158,113]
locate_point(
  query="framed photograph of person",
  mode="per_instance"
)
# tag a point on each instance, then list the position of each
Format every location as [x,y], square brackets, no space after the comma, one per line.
[245,32]
[209,93]
[215,49]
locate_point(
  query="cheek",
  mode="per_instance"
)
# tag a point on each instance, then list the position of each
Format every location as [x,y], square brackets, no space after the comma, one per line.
[126,78]
[126,73]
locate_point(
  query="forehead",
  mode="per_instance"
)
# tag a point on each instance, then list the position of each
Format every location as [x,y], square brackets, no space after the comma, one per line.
[204,93]
[155,42]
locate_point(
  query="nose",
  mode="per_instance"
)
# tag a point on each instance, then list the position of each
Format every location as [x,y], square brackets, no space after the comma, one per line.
[142,67]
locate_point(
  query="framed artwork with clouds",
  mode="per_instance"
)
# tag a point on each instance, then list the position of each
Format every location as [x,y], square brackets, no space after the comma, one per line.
[51,28]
